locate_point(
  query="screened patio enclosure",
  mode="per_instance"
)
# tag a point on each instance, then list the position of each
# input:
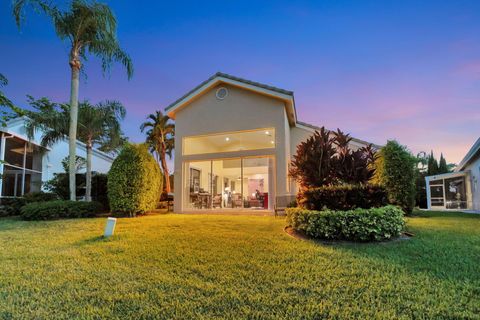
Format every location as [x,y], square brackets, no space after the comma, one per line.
[449,191]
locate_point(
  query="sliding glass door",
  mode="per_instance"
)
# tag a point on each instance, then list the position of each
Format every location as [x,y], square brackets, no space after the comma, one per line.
[238,183]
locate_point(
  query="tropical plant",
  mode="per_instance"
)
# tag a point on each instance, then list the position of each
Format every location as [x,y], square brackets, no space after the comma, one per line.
[134,181]
[98,125]
[396,170]
[326,158]
[90,28]
[160,133]
[352,166]
[7,108]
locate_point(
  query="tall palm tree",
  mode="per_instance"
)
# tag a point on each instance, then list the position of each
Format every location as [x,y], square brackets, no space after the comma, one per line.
[160,137]
[98,125]
[90,28]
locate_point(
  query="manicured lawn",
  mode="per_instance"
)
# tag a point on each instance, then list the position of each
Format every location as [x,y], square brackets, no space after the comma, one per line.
[213,266]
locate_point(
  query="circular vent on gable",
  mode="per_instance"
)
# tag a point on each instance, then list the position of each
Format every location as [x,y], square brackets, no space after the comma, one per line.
[221,93]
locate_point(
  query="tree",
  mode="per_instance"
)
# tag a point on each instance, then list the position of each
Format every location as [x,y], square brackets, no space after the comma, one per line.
[90,28]
[398,173]
[160,138]
[7,108]
[443,167]
[98,125]
[432,165]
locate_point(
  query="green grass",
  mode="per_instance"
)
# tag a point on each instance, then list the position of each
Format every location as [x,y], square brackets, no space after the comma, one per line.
[213,266]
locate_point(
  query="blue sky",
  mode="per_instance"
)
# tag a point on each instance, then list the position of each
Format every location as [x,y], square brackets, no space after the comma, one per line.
[408,70]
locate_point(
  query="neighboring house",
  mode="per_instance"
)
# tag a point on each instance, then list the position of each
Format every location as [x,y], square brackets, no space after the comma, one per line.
[25,164]
[234,140]
[459,189]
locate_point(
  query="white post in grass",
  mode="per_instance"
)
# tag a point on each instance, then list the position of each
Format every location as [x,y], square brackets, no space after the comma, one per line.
[110,227]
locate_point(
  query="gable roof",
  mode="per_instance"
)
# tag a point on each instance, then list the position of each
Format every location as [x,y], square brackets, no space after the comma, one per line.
[219,77]
[471,154]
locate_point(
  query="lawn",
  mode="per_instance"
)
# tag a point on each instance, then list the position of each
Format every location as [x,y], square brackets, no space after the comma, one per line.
[214,266]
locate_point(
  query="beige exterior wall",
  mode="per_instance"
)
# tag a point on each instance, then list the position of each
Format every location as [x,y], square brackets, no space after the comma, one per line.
[240,110]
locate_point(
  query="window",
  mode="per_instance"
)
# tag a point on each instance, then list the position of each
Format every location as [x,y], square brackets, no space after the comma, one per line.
[230,142]
[236,183]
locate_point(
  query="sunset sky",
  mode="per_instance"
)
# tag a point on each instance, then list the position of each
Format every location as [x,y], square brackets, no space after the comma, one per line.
[405,70]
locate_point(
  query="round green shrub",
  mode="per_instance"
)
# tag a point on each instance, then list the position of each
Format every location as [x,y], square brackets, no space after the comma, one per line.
[134,181]
[374,224]
[396,170]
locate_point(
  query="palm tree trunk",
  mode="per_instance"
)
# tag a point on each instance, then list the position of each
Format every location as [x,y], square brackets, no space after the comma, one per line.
[88,191]
[163,158]
[72,135]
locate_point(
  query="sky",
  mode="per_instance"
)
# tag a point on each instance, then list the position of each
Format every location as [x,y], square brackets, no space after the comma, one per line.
[380,70]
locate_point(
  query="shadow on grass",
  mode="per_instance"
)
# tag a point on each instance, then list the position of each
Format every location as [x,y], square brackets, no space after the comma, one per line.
[436,252]
[95,240]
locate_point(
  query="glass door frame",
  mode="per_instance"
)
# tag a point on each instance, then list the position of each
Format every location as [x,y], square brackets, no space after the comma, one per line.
[271,185]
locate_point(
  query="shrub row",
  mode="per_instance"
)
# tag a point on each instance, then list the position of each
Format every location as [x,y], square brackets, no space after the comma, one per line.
[60,209]
[12,206]
[343,197]
[375,224]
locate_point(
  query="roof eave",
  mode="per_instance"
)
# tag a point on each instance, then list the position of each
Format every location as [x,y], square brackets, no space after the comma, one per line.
[284,95]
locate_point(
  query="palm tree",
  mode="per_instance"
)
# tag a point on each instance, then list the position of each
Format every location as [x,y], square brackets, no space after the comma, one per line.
[89,27]
[160,138]
[6,105]
[98,125]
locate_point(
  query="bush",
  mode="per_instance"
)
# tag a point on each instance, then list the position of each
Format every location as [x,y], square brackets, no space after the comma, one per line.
[39,197]
[59,186]
[326,158]
[59,209]
[12,206]
[344,197]
[396,170]
[375,224]
[134,181]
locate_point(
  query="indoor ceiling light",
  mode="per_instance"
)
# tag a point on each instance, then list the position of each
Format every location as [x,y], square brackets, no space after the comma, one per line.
[227,139]
[267,132]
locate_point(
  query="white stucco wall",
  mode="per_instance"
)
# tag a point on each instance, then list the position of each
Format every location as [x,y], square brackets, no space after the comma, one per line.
[52,158]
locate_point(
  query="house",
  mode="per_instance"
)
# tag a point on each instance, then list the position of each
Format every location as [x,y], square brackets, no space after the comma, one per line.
[24,164]
[459,189]
[234,139]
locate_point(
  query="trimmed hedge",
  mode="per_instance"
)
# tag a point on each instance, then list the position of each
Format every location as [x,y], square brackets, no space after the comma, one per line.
[343,197]
[375,224]
[134,181]
[59,209]
[12,206]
